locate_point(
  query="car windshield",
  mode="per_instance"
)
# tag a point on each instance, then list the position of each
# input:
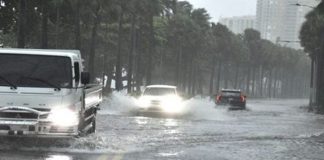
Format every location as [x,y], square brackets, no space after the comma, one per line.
[159,91]
[35,71]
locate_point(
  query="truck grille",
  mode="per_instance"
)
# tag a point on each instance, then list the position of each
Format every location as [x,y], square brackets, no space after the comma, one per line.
[61,129]
[16,113]
[23,115]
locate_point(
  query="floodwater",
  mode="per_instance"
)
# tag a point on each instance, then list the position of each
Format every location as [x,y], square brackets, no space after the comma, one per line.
[268,129]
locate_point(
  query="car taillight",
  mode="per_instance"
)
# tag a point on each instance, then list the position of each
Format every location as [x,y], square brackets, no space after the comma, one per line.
[242,99]
[218,98]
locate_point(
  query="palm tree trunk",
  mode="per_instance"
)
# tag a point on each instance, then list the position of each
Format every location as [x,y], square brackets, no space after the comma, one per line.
[119,82]
[185,75]
[92,53]
[131,55]
[226,74]
[212,77]
[178,66]
[21,29]
[138,61]
[219,74]
[261,80]
[237,70]
[110,71]
[194,81]
[248,80]
[275,84]
[57,24]
[320,73]
[253,80]
[200,90]
[270,83]
[150,67]
[311,96]
[77,26]
[190,78]
[44,41]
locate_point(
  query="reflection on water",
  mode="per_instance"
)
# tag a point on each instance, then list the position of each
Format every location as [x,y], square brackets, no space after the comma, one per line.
[59,157]
[170,154]
[170,123]
[172,126]
[141,120]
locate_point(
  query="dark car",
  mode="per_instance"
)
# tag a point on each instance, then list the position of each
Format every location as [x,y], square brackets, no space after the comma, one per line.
[235,98]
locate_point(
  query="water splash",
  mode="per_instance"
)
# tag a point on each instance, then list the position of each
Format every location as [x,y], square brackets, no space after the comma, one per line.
[200,108]
[119,103]
[197,108]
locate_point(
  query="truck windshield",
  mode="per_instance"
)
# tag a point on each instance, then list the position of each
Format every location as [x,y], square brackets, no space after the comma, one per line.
[54,70]
[159,91]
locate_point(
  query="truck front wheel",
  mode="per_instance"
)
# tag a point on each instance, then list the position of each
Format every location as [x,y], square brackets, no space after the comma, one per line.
[81,125]
[93,125]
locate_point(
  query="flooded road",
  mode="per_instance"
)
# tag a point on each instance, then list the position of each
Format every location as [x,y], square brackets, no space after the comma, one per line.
[269,129]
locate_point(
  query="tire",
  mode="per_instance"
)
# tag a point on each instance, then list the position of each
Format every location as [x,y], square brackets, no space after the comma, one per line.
[93,125]
[81,125]
[244,107]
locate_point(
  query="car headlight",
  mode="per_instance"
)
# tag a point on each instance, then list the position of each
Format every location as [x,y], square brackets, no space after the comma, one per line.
[63,117]
[143,102]
[172,104]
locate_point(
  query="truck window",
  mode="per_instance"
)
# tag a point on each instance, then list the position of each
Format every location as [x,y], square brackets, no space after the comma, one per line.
[20,70]
[77,73]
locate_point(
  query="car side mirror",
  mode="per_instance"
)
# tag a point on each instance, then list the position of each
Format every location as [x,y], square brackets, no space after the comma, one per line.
[85,78]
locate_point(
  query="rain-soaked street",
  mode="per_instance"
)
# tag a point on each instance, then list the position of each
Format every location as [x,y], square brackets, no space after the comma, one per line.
[268,129]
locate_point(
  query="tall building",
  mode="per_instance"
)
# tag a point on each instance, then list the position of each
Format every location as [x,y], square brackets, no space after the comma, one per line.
[281,20]
[238,24]
[268,18]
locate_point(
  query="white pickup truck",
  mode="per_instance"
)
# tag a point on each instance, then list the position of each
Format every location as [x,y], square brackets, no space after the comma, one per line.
[46,93]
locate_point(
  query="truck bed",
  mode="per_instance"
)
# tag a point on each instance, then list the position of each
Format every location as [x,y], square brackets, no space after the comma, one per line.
[93,95]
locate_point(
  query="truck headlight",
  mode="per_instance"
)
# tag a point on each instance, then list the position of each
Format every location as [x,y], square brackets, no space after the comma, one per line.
[63,117]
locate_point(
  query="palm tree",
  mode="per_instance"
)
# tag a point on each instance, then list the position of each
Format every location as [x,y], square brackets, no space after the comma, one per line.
[21,24]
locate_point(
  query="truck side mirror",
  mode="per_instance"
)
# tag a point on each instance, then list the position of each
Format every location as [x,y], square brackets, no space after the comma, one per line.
[85,78]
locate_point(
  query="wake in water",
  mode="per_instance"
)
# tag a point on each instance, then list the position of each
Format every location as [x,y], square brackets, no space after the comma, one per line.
[95,143]
[197,108]
[119,103]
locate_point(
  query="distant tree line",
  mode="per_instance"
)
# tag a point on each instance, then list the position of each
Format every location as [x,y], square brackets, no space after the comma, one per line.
[157,41]
[312,38]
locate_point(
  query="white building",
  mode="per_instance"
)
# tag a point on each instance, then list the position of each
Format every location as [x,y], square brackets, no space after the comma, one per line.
[238,24]
[281,20]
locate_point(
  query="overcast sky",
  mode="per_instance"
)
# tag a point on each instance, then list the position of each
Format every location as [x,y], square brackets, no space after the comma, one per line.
[226,8]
